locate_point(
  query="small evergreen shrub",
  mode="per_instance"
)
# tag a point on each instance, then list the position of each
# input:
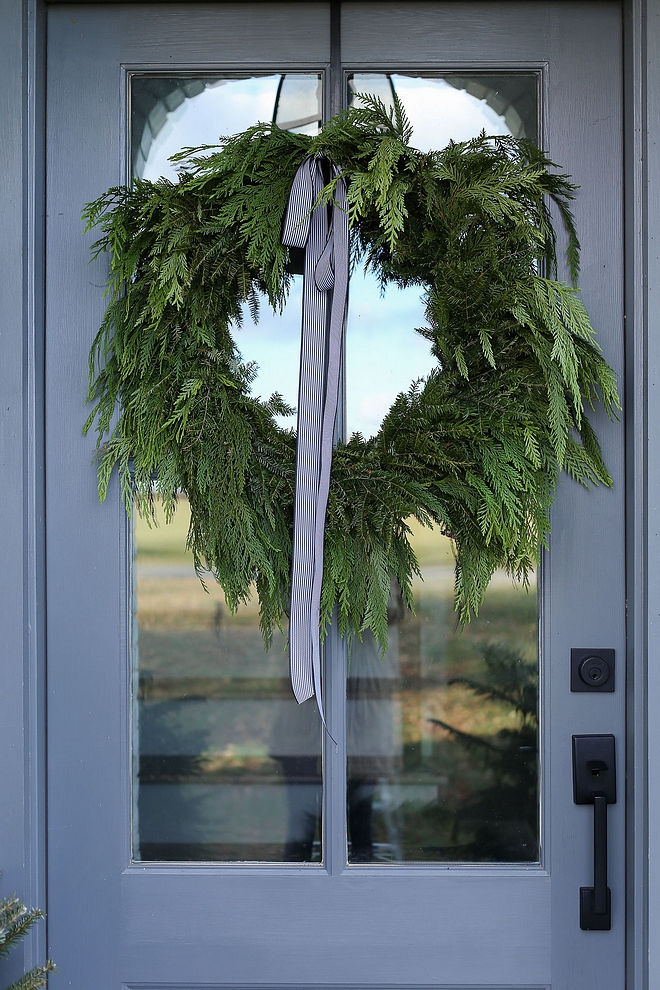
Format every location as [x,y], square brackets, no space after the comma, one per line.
[15,922]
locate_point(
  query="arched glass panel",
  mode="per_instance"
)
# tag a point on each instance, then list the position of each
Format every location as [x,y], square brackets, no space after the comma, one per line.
[442,762]
[225,763]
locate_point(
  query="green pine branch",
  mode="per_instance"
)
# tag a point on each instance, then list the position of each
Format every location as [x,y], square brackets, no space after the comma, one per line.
[475,449]
[16,920]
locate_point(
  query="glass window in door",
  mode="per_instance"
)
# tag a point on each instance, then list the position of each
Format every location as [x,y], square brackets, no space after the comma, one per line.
[225,763]
[442,732]
[441,746]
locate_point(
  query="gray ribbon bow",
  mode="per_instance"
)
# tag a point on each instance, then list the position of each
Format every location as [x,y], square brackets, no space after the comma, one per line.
[326,268]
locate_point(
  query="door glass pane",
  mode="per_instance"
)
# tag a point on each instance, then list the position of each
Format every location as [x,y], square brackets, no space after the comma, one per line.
[226,766]
[442,757]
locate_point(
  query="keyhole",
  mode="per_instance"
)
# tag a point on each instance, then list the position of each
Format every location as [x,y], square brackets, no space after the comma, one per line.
[596,766]
[594,671]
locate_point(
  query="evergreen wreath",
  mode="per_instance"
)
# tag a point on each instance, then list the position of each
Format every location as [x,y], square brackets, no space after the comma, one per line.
[475,448]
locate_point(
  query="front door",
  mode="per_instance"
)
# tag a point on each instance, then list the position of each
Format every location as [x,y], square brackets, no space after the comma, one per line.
[201,832]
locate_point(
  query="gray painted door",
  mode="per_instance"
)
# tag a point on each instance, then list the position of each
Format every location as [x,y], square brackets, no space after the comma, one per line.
[117,922]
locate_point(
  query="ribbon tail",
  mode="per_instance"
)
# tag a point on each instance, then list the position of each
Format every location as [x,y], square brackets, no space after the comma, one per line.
[318,687]
[307,185]
[326,267]
[334,352]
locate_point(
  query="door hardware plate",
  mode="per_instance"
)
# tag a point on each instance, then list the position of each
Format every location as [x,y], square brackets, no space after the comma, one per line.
[592,670]
[594,768]
[589,920]
[594,782]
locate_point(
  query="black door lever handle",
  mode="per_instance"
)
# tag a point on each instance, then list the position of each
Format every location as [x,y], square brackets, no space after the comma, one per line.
[594,782]
[600,897]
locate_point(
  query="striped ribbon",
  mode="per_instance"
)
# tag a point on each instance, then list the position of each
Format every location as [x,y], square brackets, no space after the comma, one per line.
[323,233]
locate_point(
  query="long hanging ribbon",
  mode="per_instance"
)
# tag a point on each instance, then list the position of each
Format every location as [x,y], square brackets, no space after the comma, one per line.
[325,241]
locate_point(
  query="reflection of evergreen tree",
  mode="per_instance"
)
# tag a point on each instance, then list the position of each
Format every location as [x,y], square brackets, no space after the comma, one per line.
[173,756]
[167,729]
[500,822]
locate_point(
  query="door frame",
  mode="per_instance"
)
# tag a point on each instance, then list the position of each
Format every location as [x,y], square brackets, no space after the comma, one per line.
[22,721]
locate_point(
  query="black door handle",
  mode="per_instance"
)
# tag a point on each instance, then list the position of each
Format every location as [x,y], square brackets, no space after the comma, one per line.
[594,782]
[601,895]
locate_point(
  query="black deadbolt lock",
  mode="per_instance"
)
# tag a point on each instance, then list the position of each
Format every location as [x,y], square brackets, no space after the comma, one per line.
[592,670]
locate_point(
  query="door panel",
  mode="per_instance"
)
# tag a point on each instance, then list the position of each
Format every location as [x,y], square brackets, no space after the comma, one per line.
[114,922]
